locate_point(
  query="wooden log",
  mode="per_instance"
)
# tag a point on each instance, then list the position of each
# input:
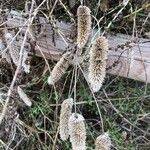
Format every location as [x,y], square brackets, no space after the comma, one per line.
[133,59]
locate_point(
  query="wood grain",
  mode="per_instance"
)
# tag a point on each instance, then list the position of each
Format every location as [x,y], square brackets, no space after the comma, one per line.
[133,60]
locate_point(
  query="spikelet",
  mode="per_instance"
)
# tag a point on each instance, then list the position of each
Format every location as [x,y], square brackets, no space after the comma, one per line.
[66,109]
[103,142]
[4,53]
[23,96]
[77,132]
[84,25]
[15,52]
[97,67]
[59,68]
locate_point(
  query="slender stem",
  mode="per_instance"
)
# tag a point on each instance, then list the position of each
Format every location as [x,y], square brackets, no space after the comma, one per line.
[75,84]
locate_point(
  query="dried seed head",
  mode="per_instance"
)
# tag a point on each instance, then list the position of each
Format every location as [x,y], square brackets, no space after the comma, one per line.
[14,52]
[72,3]
[97,67]
[59,68]
[2,46]
[84,25]
[65,113]
[6,56]
[24,97]
[103,142]
[4,53]
[104,6]
[77,132]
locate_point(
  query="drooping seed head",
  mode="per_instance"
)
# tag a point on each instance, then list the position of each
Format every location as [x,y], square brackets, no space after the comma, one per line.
[65,113]
[84,25]
[13,49]
[59,68]
[77,132]
[24,97]
[2,46]
[97,67]
[103,142]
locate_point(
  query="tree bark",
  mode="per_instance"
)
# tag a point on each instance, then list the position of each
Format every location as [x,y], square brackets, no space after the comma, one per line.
[132,58]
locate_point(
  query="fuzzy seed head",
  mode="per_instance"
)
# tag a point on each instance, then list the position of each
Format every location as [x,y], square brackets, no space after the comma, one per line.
[13,49]
[97,67]
[84,25]
[103,142]
[8,37]
[6,56]
[2,46]
[59,68]
[77,132]
[24,97]
[65,113]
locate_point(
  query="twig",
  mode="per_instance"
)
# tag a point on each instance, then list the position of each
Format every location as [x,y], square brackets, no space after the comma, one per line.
[100,114]
[144,7]
[118,112]
[102,100]
[18,67]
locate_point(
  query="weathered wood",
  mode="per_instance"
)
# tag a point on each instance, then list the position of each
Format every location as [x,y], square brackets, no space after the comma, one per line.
[133,60]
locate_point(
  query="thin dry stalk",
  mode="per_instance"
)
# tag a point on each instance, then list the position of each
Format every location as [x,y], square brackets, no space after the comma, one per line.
[19,65]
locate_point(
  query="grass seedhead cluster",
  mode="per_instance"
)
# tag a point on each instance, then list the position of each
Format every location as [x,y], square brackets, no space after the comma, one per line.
[65,113]
[97,67]
[84,25]
[13,51]
[60,68]
[103,142]
[77,132]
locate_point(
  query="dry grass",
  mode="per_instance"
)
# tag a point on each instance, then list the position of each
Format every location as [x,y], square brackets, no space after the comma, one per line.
[122,104]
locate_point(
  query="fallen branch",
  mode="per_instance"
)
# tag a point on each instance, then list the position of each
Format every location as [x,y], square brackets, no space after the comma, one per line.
[132,58]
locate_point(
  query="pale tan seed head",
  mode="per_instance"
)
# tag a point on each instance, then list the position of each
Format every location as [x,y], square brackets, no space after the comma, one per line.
[23,96]
[6,56]
[13,50]
[65,113]
[77,132]
[2,46]
[59,68]
[4,53]
[97,67]
[84,25]
[103,142]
